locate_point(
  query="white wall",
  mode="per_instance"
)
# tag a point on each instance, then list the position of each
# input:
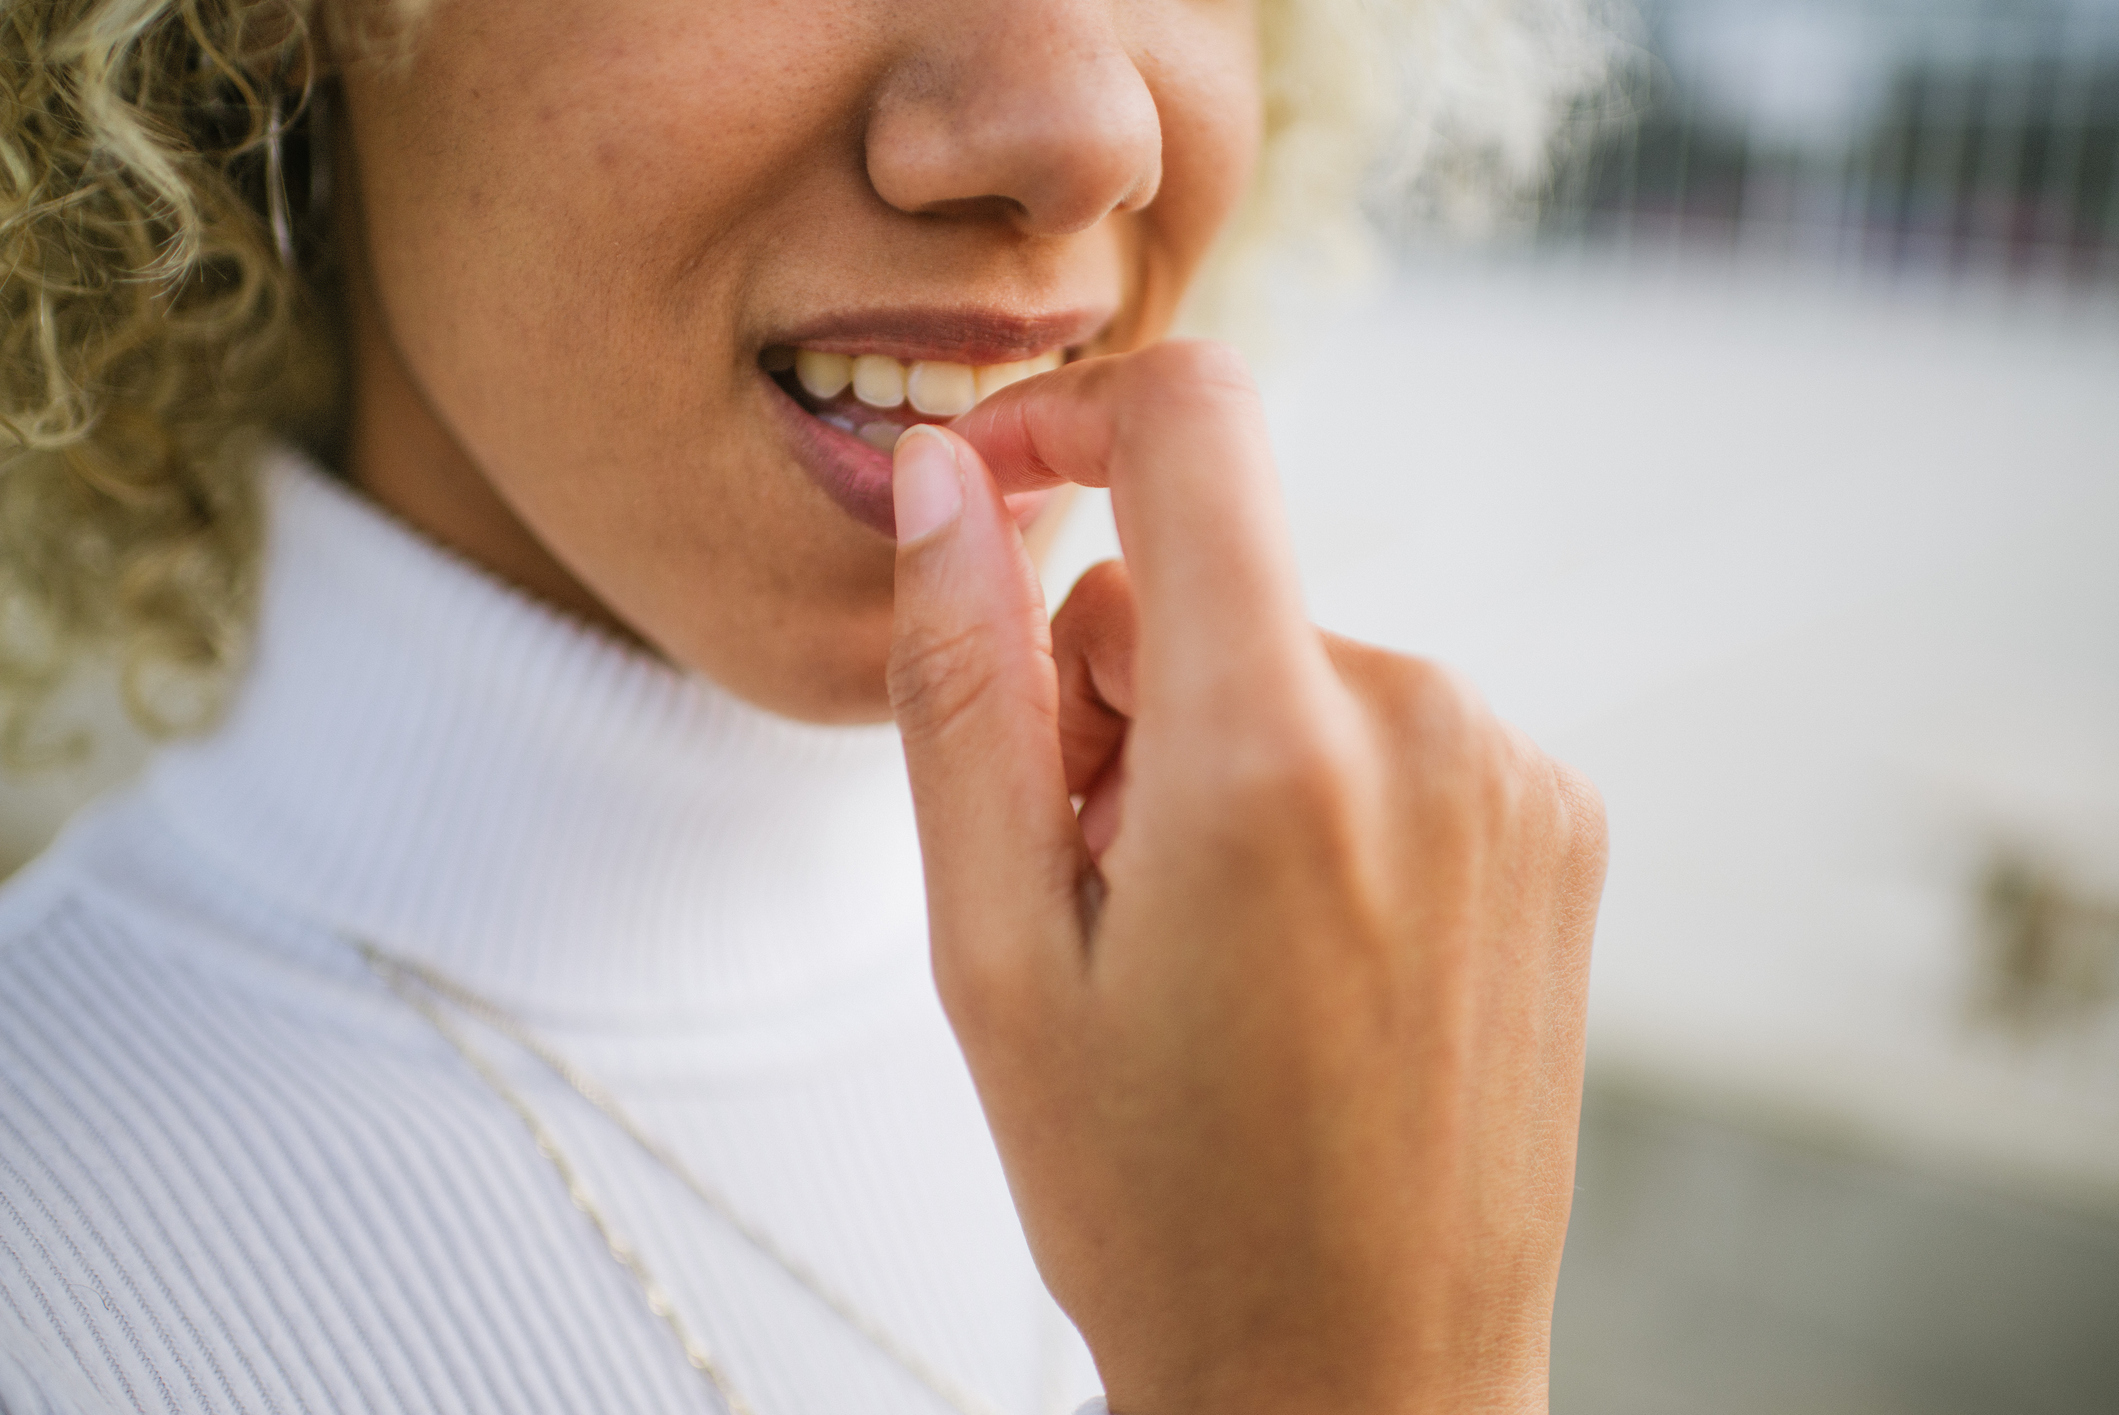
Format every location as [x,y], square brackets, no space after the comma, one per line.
[1821,583]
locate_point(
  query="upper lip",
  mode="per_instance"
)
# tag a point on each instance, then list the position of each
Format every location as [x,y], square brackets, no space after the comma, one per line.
[963,334]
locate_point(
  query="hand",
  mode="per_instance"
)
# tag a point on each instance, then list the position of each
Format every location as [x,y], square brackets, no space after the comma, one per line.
[1281,1039]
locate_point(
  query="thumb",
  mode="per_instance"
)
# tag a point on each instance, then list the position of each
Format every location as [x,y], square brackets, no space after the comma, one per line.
[976,697]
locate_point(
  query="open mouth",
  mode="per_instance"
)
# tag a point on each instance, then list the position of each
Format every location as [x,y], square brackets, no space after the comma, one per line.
[849,409]
[876,397]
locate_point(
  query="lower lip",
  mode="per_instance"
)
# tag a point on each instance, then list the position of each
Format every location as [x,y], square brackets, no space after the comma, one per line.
[856,476]
[846,469]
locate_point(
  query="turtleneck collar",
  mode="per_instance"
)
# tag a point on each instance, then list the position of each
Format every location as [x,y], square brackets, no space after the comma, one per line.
[426,759]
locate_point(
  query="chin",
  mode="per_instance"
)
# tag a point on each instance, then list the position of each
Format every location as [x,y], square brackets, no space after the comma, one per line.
[816,664]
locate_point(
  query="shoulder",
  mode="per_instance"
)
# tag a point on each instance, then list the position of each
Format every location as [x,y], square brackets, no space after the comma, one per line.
[28,902]
[53,941]
[62,941]
[136,976]
[158,1065]
[61,958]
[43,1368]
[123,911]
[58,891]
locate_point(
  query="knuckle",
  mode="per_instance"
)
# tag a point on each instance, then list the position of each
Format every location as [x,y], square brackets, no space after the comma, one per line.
[1189,370]
[1093,638]
[1588,826]
[1200,361]
[1104,581]
[974,992]
[1440,728]
[1301,780]
[935,677]
[1102,590]
[1432,700]
[988,1009]
[1483,770]
[999,988]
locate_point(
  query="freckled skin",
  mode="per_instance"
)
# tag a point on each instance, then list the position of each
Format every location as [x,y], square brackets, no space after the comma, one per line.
[577,225]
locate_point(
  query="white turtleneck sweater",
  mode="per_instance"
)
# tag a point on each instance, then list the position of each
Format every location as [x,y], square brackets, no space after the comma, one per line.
[238,1173]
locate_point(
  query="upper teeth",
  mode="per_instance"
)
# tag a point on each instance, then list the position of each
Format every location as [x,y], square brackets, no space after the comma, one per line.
[940,390]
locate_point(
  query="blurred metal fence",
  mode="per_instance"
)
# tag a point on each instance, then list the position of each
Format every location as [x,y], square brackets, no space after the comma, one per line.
[1933,138]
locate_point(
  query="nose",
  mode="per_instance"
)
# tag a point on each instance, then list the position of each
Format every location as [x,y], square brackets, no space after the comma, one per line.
[1030,111]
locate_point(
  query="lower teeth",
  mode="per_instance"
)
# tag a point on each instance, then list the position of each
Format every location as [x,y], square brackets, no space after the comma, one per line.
[882,435]
[847,417]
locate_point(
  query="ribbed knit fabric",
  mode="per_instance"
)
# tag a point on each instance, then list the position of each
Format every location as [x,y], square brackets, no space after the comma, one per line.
[236,1173]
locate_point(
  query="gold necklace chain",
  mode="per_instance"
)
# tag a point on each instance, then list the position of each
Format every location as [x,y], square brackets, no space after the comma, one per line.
[419,986]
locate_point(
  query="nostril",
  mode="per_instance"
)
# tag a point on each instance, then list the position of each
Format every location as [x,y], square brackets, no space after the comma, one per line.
[987,208]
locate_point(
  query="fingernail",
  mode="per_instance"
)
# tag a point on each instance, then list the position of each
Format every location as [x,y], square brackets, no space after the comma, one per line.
[926,486]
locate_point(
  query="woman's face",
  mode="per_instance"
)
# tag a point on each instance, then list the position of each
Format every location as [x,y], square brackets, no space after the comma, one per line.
[589,235]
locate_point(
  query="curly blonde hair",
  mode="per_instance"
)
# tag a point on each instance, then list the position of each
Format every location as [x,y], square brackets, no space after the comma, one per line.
[155,337]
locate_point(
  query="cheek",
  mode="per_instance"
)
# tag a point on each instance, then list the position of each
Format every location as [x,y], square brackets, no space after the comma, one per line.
[1212,116]
[561,222]
[1211,155]
[576,196]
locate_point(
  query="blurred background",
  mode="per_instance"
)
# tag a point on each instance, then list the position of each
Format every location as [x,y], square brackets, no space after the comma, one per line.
[1769,472]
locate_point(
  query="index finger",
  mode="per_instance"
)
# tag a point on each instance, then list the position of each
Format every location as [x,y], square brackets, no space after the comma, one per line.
[1178,434]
